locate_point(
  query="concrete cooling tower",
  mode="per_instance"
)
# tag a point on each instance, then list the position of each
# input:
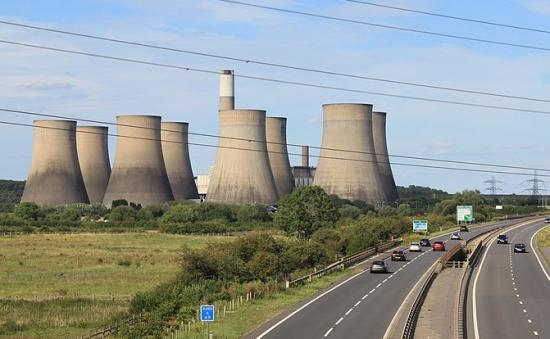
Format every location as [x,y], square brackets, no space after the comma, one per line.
[381,149]
[139,174]
[278,155]
[175,151]
[54,177]
[227,90]
[93,156]
[347,165]
[242,173]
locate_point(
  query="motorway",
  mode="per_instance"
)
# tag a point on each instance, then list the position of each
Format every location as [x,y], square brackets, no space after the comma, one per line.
[511,291]
[361,306]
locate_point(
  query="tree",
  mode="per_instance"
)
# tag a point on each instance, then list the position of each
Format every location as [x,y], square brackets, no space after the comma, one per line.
[28,211]
[305,210]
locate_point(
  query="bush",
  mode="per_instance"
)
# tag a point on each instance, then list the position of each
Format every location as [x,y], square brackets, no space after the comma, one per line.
[349,211]
[29,211]
[122,213]
[253,213]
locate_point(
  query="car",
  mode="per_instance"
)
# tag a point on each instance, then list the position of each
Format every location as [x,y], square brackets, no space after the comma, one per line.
[438,246]
[378,266]
[456,236]
[502,239]
[520,248]
[425,242]
[547,219]
[464,228]
[415,247]
[398,256]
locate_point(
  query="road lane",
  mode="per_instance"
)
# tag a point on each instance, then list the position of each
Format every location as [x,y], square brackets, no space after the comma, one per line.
[363,305]
[513,293]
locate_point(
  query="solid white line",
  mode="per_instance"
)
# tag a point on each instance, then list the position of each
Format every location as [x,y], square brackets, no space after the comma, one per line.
[307,304]
[328,332]
[537,256]
[474,296]
[339,321]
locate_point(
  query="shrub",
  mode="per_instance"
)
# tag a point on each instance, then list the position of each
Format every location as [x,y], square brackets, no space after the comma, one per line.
[122,213]
[29,211]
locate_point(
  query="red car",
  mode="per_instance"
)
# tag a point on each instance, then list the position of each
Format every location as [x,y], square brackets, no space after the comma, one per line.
[438,246]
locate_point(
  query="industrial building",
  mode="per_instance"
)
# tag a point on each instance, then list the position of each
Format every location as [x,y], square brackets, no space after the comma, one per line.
[93,156]
[347,164]
[55,177]
[175,151]
[139,174]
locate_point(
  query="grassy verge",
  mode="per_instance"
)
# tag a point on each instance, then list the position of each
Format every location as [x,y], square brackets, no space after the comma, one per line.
[543,238]
[63,285]
[255,312]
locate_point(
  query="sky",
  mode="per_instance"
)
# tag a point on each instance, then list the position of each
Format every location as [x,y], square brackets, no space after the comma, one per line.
[85,87]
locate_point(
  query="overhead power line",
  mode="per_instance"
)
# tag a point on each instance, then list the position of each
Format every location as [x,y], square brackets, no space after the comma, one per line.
[285,144]
[399,28]
[289,153]
[454,17]
[271,64]
[281,81]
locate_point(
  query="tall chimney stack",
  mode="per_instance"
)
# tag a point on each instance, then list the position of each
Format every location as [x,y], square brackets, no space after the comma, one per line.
[305,156]
[55,177]
[93,155]
[227,90]
[347,163]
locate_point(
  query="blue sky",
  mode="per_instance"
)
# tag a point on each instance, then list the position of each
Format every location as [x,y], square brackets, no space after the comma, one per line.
[90,88]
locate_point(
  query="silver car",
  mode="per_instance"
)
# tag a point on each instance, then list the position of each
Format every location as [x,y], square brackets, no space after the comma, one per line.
[415,247]
[456,236]
[378,266]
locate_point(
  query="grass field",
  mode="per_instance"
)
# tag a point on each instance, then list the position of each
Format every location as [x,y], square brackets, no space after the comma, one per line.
[68,285]
[543,238]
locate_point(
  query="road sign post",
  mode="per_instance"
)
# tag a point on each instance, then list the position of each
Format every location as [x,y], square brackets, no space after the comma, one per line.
[207,315]
[420,226]
[464,214]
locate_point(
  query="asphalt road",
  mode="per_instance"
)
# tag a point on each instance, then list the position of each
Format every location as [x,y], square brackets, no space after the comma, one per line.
[512,291]
[361,307]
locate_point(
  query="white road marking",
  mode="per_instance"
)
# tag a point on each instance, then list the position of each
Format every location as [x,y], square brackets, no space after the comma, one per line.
[328,332]
[521,302]
[535,333]
[339,320]
[349,311]
[537,256]
[357,303]
[524,310]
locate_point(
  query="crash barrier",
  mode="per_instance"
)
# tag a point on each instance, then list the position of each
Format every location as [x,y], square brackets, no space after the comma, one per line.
[344,262]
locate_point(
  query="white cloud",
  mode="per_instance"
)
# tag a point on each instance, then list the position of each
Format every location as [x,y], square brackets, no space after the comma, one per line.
[537,6]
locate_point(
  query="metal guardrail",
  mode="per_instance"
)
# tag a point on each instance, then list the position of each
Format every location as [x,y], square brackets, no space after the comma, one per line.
[345,262]
[412,319]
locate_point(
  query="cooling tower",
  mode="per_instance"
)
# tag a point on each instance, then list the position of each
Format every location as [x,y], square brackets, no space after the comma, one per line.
[242,173]
[139,174]
[278,155]
[93,156]
[227,90]
[381,149]
[175,151]
[347,164]
[54,177]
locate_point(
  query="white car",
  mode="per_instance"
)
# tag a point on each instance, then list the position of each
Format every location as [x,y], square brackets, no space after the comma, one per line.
[456,236]
[415,247]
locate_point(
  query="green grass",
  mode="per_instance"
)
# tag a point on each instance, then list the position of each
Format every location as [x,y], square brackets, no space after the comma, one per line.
[257,311]
[543,238]
[68,285]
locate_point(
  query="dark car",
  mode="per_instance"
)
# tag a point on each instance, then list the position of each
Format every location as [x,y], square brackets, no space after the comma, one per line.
[378,266]
[438,246]
[464,228]
[398,256]
[547,219]
[502,239]
[520,248]
[425,242]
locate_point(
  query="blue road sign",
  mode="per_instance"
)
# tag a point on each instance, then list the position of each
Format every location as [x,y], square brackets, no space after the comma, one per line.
[207,312]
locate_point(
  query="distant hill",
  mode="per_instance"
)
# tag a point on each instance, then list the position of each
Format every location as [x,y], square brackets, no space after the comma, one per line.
[10,193]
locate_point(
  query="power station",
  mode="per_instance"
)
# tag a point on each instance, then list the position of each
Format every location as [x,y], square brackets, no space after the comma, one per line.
[347,164]
[55,177]
[139,174]
[242,172]
[93,156]
[227,90]
[278,155]
[175,150]
[381,149]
